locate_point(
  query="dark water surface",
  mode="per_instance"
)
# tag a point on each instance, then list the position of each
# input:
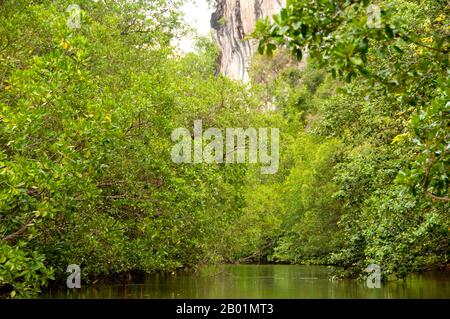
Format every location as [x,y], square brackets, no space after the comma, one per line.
[262,281]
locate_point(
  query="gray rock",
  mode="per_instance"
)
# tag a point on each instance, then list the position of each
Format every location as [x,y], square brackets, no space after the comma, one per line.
[232,21]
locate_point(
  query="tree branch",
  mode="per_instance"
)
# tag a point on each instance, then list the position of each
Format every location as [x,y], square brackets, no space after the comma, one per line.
[443,198]
[21,230]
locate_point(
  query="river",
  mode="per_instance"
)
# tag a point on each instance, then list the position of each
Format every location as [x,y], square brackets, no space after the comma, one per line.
[261,281]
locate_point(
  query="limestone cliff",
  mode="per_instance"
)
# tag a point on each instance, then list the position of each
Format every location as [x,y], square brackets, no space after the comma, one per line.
[232,21]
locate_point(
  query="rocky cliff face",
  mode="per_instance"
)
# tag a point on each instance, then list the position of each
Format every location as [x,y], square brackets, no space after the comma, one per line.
[232,21]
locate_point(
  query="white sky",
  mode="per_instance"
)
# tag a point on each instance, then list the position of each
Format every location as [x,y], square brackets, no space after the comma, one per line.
[197,15]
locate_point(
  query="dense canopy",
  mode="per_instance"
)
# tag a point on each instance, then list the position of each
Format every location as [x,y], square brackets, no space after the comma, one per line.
[86,116]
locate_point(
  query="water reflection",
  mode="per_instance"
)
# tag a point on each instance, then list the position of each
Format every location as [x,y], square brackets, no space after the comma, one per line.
[261,281]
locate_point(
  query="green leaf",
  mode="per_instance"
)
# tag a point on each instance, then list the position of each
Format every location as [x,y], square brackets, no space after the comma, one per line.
[356,60]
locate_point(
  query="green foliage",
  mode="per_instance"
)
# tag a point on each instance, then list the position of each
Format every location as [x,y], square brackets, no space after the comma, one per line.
[406,41]
[22,273]
[310,220]
[391,117]
[85,122]
[86,117]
